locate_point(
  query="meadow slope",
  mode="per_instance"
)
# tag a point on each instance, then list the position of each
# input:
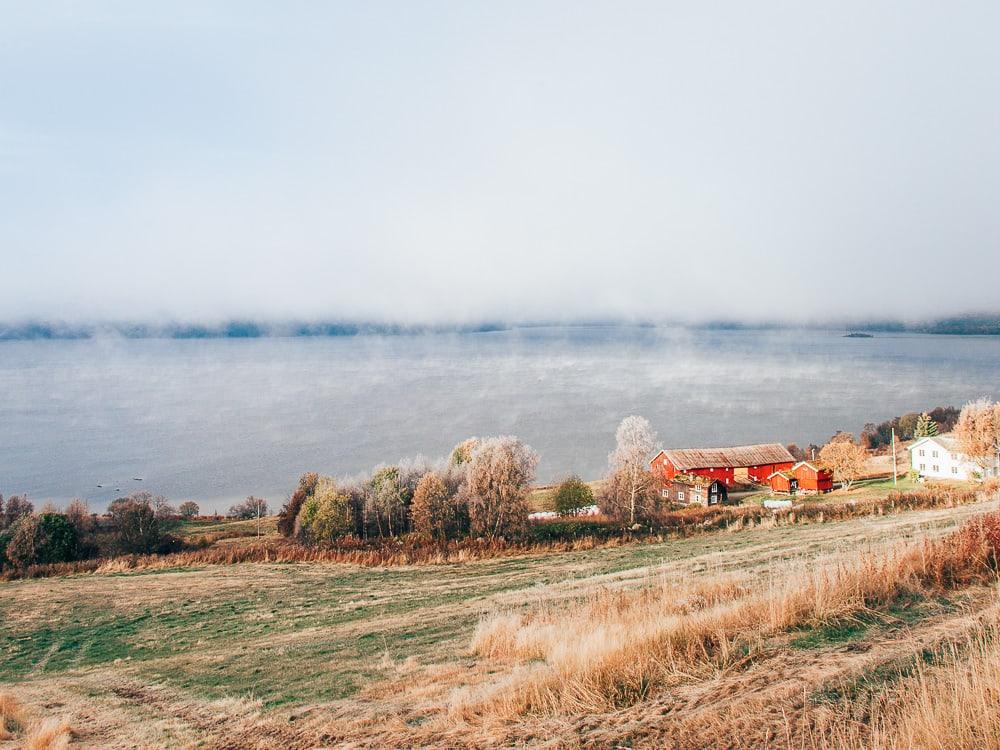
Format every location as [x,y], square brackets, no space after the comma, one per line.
[322,655]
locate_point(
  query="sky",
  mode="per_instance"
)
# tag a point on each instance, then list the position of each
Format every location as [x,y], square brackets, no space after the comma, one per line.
[439,162]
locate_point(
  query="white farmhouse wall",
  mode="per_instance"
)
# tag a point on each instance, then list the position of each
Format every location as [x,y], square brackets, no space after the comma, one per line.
[938,458]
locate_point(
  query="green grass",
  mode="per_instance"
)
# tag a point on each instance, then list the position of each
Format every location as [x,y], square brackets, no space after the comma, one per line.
[875,679]
[832,634]
[907,612]
[193,528]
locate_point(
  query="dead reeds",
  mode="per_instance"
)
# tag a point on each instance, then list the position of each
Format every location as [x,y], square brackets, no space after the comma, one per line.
[611,649]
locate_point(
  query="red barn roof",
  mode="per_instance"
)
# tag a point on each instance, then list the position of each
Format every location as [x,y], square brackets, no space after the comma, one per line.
[739,456]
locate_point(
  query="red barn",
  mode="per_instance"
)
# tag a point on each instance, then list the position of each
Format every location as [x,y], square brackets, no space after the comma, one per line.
[760,461]
[811,478]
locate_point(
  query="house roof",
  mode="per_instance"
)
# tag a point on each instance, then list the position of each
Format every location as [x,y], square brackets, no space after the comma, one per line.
[693,480]
[739,456]
[945,441]
[783,474]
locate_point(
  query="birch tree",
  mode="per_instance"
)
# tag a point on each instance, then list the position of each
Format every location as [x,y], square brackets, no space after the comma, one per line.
[498,477]
[629,476]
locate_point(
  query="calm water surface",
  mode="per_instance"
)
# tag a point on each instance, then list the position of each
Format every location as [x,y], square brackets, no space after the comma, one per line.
[215,420]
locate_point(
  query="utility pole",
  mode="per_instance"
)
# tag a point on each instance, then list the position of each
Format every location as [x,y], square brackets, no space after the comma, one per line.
[893,456]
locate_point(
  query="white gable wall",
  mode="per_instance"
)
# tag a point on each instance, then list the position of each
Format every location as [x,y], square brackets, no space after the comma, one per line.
[932,458]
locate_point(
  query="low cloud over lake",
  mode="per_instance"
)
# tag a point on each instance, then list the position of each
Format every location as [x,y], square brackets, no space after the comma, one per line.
[450,162]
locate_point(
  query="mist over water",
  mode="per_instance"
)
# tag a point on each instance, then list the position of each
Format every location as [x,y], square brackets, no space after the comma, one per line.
[215,420]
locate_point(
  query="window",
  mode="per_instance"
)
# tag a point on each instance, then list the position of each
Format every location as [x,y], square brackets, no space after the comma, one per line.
[933,454]
[665,493]
[935,468]
[923,466]
[680,495]
[921,451]
[954,456]
[954,470]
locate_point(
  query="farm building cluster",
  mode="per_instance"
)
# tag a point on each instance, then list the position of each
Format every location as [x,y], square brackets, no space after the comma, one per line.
[707,476]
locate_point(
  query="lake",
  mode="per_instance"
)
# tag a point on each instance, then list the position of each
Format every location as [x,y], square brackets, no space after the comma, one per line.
[217,419]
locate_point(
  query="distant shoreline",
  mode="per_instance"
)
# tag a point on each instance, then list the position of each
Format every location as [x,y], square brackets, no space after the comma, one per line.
[39,330]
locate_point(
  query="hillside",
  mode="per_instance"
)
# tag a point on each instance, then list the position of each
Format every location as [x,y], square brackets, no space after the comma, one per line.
[323,655]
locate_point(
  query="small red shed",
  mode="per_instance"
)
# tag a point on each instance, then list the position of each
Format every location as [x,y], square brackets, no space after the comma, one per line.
[811,478]
[782,483]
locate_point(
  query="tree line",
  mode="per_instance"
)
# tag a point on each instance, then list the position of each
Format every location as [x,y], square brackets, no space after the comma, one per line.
[138,524]
[481,490]
[908,426]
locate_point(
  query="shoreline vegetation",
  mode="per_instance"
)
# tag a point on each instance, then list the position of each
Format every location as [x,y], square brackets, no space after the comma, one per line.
[542,537]
[54,330]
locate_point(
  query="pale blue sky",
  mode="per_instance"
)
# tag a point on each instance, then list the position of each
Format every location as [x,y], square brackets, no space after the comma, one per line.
[436,161]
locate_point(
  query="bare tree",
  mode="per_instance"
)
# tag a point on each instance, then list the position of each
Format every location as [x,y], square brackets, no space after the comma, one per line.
[163,508]
[845,458]
[189,509]
[259,507]
[498,476]
[635,443]
[978,433]
[17,506]
[78,513]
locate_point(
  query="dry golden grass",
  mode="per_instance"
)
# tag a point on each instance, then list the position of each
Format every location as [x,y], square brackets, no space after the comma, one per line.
[953,705]
[12,719]
[617,646]
[47,734]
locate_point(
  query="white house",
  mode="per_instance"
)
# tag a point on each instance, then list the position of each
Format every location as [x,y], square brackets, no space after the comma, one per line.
[939,458]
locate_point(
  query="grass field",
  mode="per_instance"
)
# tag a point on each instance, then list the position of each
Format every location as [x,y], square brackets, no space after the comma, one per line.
[330,655]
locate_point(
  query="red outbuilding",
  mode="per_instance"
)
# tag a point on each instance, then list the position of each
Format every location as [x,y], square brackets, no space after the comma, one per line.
[811,478]
[783,483]
[760,461]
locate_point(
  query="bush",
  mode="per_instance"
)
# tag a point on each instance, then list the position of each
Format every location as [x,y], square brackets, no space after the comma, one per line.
[20,548]
[572,495]
[326,515]
[40,540]
[58,539]
[573,528]
[290,510]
